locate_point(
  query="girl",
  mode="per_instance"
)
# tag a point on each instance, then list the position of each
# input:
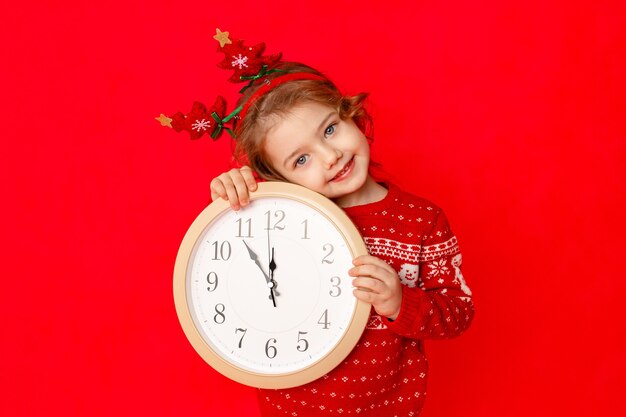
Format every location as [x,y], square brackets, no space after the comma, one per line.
[295,126]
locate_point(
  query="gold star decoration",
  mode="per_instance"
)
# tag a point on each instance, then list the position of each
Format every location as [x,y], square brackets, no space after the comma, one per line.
[221,37]
[164,120]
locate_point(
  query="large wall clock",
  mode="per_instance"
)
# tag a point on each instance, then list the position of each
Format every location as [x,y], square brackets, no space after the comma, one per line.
[263,293]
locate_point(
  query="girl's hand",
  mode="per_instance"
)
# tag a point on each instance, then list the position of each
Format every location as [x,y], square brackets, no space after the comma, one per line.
[377,283]
[234,186]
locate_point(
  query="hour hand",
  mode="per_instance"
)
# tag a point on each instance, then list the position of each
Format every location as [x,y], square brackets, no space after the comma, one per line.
[268,280]
[272,266]
[255,258]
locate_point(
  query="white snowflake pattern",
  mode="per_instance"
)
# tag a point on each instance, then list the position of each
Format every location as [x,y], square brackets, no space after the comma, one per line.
[203,125]
[240,61]
[438,268]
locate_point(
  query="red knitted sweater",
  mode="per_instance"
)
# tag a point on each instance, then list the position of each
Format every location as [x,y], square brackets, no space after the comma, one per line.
[385,374]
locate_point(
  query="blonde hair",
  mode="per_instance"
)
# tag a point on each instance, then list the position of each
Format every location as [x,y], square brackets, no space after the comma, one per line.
[252,129]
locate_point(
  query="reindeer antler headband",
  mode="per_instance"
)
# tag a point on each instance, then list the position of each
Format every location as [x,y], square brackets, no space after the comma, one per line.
[248,64]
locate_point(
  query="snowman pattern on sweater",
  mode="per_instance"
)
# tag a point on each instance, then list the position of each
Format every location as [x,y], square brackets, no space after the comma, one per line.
[409,274]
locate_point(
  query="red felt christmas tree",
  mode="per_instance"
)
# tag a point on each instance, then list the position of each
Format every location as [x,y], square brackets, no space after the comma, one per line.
[247,63]
[200,120]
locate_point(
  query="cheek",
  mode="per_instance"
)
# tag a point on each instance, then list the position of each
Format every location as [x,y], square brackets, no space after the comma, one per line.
[311,178]
[361,145]
[366,146]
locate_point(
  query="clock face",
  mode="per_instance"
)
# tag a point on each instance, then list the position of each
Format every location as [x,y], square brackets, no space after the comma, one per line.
[267,291]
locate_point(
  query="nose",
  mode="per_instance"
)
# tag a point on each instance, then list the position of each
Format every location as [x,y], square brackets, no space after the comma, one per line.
[330,155]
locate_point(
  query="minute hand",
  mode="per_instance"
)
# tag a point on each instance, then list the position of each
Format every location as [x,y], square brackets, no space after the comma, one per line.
[255,258]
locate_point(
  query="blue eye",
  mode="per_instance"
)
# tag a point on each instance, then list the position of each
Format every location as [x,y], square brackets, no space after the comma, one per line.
[329,130]
[301,161]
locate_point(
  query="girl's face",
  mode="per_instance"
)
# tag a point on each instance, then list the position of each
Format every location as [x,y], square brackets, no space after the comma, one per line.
[313,147]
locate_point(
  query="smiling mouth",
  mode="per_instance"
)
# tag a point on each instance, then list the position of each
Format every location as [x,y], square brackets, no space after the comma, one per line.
[345,171]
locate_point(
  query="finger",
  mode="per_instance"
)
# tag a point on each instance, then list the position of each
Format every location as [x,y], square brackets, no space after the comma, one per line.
[364,295]
[231,192]
[240,186]
[248,176]
[369,285]
[372,260]
[218,190]
[373,271]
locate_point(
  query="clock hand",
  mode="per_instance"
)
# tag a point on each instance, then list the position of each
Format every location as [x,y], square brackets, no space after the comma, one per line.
[271,261]
[272,267]
[271,283]
[255,258]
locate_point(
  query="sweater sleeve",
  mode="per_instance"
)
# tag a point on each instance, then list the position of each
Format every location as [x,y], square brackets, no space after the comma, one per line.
[440,306]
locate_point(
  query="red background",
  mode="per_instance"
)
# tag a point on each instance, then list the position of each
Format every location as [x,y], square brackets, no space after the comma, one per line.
[510,115]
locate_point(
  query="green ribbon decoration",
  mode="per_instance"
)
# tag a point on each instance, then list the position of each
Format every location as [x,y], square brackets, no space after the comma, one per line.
[220,123]
[262,73]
